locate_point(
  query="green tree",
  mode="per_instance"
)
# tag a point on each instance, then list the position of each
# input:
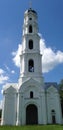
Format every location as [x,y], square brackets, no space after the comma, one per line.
[61,94]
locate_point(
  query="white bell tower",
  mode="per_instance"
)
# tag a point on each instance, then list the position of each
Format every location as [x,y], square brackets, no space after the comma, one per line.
[31,101]
[30,58]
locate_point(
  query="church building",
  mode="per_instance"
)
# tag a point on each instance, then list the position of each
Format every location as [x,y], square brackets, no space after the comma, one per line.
[31,100]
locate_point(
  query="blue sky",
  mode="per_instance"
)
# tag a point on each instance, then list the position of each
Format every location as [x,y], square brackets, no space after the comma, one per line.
[50,20]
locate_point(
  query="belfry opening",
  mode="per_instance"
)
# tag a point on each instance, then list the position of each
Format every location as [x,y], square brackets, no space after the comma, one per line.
[31,65]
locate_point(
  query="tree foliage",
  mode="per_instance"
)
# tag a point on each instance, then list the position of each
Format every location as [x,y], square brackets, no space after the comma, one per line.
[61,94]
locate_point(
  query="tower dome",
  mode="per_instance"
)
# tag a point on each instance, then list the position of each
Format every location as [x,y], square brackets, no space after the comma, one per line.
[30,10]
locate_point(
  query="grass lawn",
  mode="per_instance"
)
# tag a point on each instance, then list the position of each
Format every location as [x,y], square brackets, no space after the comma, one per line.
[46,127]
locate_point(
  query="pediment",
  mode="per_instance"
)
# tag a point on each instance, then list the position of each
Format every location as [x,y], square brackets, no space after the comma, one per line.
[9,88]
[52,89]
[29,83]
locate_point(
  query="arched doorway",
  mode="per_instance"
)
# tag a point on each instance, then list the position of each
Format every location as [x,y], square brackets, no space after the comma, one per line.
[31,114]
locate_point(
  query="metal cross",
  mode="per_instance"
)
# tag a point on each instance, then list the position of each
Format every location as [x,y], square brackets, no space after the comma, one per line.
[30,4]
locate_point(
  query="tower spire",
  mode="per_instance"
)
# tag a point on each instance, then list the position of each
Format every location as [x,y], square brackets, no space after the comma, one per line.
[30,4]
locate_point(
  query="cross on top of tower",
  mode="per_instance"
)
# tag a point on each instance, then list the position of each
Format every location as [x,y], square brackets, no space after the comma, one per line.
[30,7]
[30,4]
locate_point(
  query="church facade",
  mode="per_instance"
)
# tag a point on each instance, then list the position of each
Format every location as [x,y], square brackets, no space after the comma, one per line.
[31,101]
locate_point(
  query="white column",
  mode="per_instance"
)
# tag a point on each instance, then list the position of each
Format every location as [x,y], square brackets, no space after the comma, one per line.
[44,116]
[18,105]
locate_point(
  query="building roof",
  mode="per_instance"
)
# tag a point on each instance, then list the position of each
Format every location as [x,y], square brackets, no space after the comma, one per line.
[49,84]
[8,85]
[30,10]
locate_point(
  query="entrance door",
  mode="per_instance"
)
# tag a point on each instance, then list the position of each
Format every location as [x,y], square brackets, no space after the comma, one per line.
[53,119]
[31,114]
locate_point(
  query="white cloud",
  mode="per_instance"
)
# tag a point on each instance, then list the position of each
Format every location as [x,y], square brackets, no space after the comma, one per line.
[13,72]
[3,77]
[50,58]
[1,71]
[16,58]
[9,70]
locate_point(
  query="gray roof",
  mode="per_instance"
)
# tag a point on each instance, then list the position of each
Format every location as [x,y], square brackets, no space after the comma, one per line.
[31,10]
[49,84]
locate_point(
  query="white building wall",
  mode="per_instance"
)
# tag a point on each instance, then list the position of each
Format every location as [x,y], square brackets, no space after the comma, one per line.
[9,108]
[17,100]
[43,108]
[53,103]
[38,100]
[58,108]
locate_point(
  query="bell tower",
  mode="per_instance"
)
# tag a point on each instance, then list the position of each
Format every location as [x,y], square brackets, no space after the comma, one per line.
[31,101]
[30,58]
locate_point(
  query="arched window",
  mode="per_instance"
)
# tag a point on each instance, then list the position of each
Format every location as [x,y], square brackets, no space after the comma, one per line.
[30,44]
[30,28]
[31,94]
[53,111]
[31,66]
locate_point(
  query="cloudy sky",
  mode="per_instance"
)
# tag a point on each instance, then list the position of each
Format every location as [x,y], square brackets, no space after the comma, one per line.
[50,20]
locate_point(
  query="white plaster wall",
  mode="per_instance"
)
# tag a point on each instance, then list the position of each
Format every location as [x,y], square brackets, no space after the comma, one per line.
[53,103]
[58,109]
[25,100]
[9,108]
[43,108]
[27,22]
